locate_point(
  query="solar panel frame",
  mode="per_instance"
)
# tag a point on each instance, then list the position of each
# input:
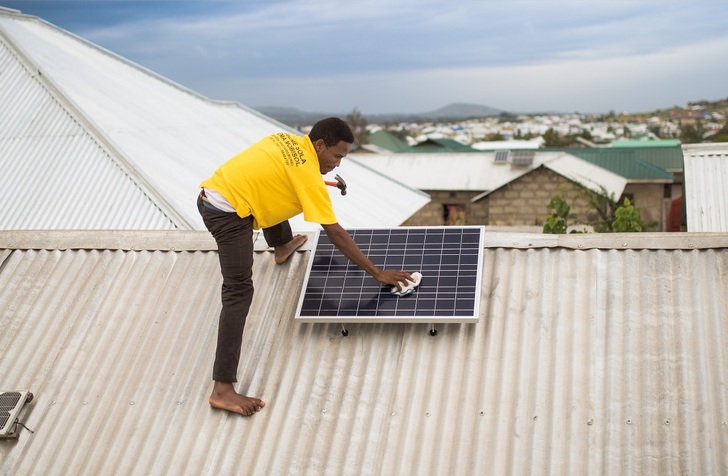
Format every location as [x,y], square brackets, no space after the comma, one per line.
[450,259]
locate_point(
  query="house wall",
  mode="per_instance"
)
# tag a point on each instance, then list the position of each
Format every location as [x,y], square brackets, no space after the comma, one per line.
[432,214]
[650,201]
[523,202]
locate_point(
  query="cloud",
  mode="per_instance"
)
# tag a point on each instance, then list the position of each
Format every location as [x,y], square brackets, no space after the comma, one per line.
[407,55]
[636,83]
[308,37]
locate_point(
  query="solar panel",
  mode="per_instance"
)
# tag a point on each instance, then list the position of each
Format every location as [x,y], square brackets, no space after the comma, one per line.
[501,157]
[449,258]
[10,405]
[522,157]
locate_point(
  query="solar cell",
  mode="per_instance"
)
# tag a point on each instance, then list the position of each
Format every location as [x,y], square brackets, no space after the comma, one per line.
[449,258]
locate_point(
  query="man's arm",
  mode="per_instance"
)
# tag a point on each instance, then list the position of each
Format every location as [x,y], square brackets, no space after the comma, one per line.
[345,243]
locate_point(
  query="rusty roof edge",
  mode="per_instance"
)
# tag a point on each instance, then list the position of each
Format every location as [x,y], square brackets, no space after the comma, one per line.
[584,241]
[191,240]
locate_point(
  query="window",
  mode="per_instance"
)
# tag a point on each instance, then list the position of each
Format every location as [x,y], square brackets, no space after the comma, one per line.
[454,215]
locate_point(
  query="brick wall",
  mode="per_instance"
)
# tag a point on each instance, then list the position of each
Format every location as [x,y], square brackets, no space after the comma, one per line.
[650,201]
[432,214]
[523,202]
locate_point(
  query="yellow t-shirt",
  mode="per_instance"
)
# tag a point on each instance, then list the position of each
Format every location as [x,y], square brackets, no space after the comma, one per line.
[274,180]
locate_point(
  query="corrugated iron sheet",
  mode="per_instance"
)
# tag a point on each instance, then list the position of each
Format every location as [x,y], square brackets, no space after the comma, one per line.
[479,172]
[706,187]
[88,126]
[594,354]
[54,174]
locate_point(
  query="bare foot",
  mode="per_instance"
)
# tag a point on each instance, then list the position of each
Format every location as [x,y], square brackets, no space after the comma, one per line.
[283,252]
[225,397]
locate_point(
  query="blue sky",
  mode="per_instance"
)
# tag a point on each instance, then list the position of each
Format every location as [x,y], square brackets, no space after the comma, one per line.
[406,56]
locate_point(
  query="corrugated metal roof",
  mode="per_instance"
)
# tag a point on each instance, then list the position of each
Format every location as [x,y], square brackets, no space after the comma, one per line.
[53,169]
[69,98]
[648,143]
[706,187]
[591,176]
[388,141]
[595,354]
[635,164]
[478,171]
[435,145]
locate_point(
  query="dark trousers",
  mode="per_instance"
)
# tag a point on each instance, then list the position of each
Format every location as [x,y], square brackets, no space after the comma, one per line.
[234,238]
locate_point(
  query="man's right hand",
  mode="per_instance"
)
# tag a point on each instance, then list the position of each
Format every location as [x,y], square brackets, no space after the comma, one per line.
[394,278]
[340,238]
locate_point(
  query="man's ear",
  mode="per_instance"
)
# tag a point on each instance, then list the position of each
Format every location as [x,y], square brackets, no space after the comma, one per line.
[320,146]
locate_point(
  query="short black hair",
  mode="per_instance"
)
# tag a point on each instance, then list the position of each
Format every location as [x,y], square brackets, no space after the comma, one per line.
[332,130]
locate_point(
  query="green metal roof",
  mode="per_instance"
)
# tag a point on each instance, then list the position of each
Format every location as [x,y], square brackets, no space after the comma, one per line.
[646,143]
[632,163]
[667,158]
[440,146]
[389,141]
[664,153]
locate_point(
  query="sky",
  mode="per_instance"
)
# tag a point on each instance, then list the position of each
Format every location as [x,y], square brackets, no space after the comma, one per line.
[410,56]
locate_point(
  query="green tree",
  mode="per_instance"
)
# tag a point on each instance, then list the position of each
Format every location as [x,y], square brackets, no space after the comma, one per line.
[358,124]
[692,133]
[613,216]
[551,138]
[722,135]
[626,219]
[557,220]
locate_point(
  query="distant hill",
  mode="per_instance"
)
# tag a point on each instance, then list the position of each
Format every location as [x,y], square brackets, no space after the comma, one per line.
[463,111]
[455,112]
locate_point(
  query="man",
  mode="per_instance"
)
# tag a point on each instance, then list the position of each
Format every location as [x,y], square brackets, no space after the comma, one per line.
[262,187]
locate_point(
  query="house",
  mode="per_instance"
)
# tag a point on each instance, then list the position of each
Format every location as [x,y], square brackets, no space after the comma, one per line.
[90,140]
[483,188]
[439,146]
[383,141]
[655,179]
[502,188]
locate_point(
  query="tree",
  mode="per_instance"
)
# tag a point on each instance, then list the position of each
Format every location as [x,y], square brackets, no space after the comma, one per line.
[557,220]
[551,138]
[626,219]
[358,124]
[692,133]
[722,135]
[613,217]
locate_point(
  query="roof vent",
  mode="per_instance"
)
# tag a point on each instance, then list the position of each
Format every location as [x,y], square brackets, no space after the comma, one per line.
[522,157]
[501,157]
[10,405]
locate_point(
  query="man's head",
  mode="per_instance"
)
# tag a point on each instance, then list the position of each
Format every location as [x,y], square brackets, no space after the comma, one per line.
[331,130]
[332,138]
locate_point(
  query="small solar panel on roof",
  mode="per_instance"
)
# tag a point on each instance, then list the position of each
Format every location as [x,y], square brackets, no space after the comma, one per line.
[501,156]
[10,405]
[522,157]
[449,259]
